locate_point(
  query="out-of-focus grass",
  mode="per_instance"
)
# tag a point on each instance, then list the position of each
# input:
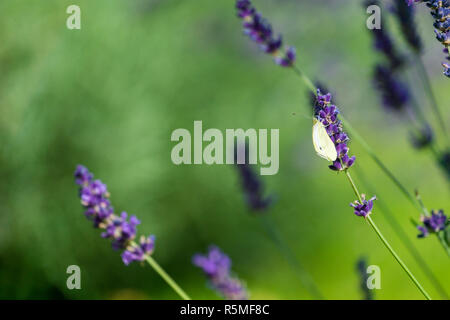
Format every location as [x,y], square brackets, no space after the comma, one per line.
[109,96]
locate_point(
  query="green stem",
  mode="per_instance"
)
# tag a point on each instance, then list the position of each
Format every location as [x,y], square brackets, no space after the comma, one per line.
[422,205]
[305,79]
[401,233]
[166,277]
[302,274]
[380,164]
[385,242]
[426,81]
[443,242]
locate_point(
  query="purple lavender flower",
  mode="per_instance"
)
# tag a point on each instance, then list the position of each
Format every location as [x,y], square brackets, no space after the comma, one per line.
[327,113]
[260,31]
[440,11]
[365,208]
[446,69]
[139,252]
[251,184]
[121,231]
[405,16]
[312,96]
[95,199]
[253,189]
[395,94]
[82,176]
[423,232]
[217,267]
[435,223]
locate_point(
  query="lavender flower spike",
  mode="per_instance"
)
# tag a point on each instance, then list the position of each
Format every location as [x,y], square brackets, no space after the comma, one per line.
[437,222]
[121,230]
[363,209]
[383,43]
[440,11]
[327,113]
[252,185]
[405,16]
[217,267]
[395,94]
[260,31]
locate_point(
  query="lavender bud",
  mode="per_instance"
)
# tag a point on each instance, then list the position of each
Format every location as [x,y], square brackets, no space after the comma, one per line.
[260,31]
[437,222]
[121,230]
[365,208]
[446,69]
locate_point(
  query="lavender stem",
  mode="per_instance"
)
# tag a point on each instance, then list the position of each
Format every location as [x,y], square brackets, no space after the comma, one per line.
[305,79]
[443,242]
[385,242]
[380,164]
[165,276]
[400,231]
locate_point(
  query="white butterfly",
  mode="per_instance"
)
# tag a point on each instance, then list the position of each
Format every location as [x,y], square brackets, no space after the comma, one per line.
[322,142]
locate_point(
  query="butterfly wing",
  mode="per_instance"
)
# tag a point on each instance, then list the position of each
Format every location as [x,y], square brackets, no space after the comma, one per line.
[322,142]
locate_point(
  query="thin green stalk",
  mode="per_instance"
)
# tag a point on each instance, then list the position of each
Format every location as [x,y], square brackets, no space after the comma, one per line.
[401,233]
[305,79]
[443,242]
[380,164]
[302,274]
[163,274]
[422,205]
[426,81]
[385,242]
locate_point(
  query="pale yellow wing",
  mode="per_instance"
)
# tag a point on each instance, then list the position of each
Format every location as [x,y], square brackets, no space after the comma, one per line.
[322,142]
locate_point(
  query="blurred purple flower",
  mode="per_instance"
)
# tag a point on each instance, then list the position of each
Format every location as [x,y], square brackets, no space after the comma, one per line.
[395,94]
[435,223]
[405,16]
[384,44]
[365,208]
[361,266]
[217,267]
[260,31]
[94,198]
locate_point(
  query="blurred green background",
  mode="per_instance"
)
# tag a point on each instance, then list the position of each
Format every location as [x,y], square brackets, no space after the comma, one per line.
[109,96]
